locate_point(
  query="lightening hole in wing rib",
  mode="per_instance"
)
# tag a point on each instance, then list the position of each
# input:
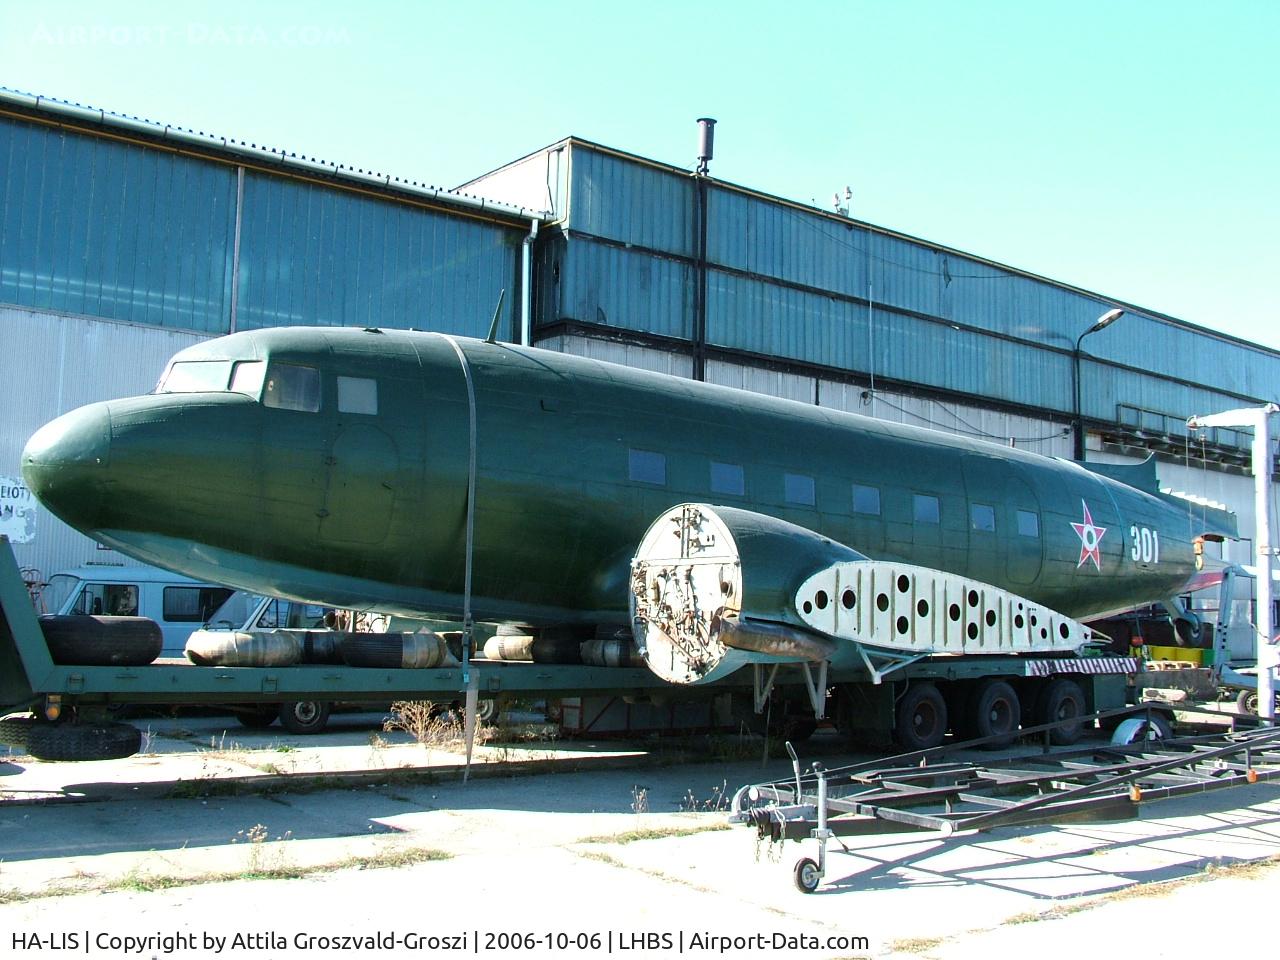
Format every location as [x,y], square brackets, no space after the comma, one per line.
[1063,630]
[903,583]
[903,625]
[973,598]
[808,607]
[820,600]
[972,631]
[882,602]
[922,608]
[1018,621]
[848,599]
[953,612]
[991,618]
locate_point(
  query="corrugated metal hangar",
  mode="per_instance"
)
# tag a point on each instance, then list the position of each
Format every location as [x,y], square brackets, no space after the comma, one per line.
[122,241]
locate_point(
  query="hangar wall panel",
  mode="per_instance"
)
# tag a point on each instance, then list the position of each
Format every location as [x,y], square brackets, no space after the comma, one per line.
[65,362]
[91,226]
[627,354]
[629,289]
[316,256]
[631,202]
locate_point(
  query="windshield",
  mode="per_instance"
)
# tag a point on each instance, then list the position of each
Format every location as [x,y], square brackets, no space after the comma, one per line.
[60,587]
[234,613]
[196,376]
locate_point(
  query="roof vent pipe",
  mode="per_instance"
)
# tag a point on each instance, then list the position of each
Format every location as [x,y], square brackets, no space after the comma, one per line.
[706,143]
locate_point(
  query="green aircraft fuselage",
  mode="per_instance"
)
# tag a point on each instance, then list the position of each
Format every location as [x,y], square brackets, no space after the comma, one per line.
[331,465]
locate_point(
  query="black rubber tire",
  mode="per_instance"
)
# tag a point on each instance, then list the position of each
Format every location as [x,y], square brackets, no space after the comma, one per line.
[82,640]
[995,711]
[258,716]
[1247,702]
[920,719]
[14,731]
[304,716]
[486,710]
[1060,701]
[805,874]
[83,741]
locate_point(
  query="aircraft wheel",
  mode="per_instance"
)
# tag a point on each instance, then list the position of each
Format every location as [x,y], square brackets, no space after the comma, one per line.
[806,875]
[101,641]
[83,741]
[921,718]
[14,730]
[1062,701]
[304,716]
[995,712]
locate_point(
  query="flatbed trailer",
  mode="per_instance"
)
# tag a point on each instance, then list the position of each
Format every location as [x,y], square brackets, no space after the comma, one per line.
[901,701]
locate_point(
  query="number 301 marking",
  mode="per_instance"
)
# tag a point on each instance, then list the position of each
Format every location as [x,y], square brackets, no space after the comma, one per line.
[1146,544]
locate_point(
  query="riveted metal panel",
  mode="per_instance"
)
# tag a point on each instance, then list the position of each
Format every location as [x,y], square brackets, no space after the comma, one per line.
[631,202]
[66,362]
[91,226]
[311,255]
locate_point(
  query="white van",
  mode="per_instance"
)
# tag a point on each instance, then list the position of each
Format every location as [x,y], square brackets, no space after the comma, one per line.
[176,603]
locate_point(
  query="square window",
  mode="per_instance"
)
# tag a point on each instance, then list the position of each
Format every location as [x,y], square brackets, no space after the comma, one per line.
[647,466]
[927,509]
[357,395]
[798,488]
[292,387]
[982,517]
[1028,524]
[728,478]
[866,500]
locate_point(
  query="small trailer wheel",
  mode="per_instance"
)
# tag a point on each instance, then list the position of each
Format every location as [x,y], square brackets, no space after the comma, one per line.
[806,875]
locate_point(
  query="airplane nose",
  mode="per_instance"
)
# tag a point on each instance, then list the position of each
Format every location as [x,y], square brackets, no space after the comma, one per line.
[65,463]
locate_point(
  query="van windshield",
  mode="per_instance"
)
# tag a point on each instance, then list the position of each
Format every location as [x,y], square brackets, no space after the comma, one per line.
[234,613]
[60,587]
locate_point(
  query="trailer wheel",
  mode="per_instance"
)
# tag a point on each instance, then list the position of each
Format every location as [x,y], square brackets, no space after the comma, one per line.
[83,741]
[1247,702]
[84,640]
[920,721]
[806,875]
[995,712]
[1138,729]
[258,716]
[15,730]
[486,710]
[304,716]
[1062,701]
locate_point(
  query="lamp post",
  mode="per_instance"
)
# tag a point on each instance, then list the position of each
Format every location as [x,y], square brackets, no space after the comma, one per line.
[1108,318]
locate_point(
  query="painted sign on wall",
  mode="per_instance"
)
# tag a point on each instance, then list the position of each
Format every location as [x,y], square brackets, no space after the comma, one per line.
[17,511]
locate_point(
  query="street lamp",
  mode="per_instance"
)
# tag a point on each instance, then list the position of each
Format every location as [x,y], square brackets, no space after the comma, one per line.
[1108,318]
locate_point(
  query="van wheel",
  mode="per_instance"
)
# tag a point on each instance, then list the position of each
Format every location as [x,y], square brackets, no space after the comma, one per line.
[82,640]
[83,741]
[304,716]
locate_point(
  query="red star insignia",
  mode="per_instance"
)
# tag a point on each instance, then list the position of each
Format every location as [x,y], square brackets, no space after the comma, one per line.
[1090,539]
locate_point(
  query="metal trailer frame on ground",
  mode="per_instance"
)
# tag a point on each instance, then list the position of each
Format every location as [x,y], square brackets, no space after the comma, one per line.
[927,791]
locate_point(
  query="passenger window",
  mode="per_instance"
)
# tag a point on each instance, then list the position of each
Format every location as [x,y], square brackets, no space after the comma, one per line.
[357,395]
[1028,524]
[927,509]
[798,488]
[292,387]
[108,599]
[647,466]
[866,500]
[728,478]
[247,377]
[982,517]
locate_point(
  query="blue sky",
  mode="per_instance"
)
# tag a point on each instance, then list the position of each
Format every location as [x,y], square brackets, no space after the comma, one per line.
[1130,148]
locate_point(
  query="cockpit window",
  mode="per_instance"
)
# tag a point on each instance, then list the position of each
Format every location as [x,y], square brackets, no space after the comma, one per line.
[247,377]
[196,376]
[291,386]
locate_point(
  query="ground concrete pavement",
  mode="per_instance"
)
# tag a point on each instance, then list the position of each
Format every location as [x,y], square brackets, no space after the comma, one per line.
[575,862]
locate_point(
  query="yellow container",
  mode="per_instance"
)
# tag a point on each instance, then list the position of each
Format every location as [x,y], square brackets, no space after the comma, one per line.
[1188,654]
